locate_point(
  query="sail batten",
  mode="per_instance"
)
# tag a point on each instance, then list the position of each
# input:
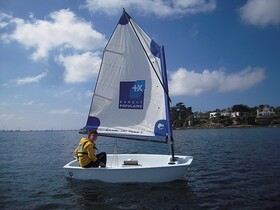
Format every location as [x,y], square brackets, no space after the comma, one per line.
[111,51]
[129,100]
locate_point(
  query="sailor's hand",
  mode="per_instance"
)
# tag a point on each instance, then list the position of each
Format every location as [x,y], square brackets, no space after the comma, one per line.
[102,164]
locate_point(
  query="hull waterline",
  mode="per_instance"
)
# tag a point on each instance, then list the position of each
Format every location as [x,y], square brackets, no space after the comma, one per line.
[150,169]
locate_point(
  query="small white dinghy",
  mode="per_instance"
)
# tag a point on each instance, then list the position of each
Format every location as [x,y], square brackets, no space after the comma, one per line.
[132,168]
[131,101]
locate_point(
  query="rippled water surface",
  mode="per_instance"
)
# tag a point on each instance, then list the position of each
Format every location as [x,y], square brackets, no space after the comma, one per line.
[232,169]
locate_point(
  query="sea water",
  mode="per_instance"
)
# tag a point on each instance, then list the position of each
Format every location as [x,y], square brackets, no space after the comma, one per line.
[232,169]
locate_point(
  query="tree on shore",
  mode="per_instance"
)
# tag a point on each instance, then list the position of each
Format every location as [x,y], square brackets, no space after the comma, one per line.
[179,114]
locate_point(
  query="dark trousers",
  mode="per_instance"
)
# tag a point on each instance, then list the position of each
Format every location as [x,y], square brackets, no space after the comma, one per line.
[101,157]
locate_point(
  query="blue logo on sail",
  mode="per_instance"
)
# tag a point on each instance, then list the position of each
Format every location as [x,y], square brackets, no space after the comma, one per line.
[160,128]
[132,94]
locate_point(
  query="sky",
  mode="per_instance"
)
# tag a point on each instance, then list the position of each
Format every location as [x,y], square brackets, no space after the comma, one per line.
[218,54]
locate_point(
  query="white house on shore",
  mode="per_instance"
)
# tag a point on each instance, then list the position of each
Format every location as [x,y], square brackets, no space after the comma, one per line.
[266,111]
[228,113]
[213,114]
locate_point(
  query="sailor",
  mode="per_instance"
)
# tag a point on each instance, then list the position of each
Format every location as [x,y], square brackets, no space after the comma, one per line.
[85,152]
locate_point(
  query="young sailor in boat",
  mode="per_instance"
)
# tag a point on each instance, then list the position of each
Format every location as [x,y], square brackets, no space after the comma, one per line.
[85,152]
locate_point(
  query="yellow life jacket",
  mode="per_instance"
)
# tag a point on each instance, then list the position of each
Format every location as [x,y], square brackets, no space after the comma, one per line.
[81,150]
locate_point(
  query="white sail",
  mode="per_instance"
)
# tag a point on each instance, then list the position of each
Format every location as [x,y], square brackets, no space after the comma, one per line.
[130,97]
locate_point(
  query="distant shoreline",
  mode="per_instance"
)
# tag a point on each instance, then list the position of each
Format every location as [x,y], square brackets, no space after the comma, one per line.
[179,128]
[52,130]
[222,126]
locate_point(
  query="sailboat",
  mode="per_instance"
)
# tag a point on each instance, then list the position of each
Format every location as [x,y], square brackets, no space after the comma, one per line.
[131,101]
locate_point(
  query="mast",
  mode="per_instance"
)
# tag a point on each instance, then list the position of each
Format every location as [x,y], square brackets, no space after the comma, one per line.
[167,101]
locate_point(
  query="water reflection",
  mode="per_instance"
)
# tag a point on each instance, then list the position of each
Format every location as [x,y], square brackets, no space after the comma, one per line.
[173,195]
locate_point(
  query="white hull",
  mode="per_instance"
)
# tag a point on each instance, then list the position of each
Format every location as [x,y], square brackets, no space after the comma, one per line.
[150,168]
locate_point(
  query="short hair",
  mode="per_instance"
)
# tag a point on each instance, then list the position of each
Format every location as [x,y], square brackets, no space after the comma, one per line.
[92,132]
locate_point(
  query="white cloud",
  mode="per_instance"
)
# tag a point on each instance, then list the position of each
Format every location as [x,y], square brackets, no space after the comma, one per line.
[184,82]
[161,8]
[261,12]
[64,92]
[30,79]
[7,116]
[80,68]
[89,93]
[64,112]
[29,103]
[63,30]
[3,104]
[4,20]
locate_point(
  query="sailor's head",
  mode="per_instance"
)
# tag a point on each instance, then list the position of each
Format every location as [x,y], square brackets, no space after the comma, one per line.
[92,134]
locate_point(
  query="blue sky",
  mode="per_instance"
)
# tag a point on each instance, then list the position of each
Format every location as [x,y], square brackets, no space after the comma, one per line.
[219,53]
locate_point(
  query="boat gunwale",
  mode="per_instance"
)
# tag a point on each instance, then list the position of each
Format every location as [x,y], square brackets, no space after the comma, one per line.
[135,167]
